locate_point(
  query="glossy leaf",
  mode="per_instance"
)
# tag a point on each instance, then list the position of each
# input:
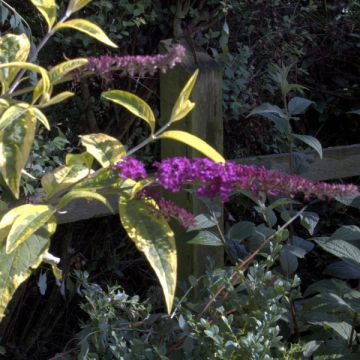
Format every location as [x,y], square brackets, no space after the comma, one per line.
[82,194]
[153,236]
[183,105]
[104,148]
[12,48]
[105,178]
[206,238]
[41,117]
[342,270]
[298,105]
[203,221]
[28,221]
[347,233]
[84,158]
[88,28]
[133,103]
[195,142]
[57,99]
[16,267]
[15,145]
[13,113]
[76,5]
[309,221]
[310,141]
[47,8]
[241,230]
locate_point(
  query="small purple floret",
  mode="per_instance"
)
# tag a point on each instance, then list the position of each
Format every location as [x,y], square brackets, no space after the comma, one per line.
[130,168]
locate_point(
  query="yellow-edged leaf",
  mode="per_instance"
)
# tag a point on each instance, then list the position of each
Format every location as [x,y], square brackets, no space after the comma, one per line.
[76,5]
[47,9]
[41,117]
[105,178]
[88,28]
[84,159]
[183,105]
[8,219]
[28,221]
[13,113]
[133,103]
[16,267]
[195,142]
[104,148]
[82,194]
[12,48]
[4,104]
[57,99]
[15,145]
[153,236]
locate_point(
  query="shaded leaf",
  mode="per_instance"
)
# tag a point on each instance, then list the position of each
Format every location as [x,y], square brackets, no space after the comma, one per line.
[288,261]
[298,105]
[309,221]
[203,221]
[310,141]
[342,270]
[347,233]
[241,230]
[206,238]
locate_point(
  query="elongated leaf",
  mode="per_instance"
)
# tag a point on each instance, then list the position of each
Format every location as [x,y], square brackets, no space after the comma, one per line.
[311,141]
[27,223]
[104,148]
[105,178]
[4,104]
[288,261]
[206,238]
[85,194]
[203,221]
[347,233]
[12,48]
[183,105]
[343,329]
[62,178]
[16,267]
[154,238]
[57,99]
[342,270]
[47,9]
[267,108]
[84,159]
[41,117]
[133,103]
[15,145]
[88,28]
[241,230]
[194,142]
[76,5]
[298,105]
[13,113]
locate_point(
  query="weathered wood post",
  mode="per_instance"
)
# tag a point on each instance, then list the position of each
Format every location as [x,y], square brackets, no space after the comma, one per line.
[204,121]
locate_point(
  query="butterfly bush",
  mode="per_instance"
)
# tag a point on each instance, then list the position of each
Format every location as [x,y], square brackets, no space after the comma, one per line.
[221,179]
[139,65]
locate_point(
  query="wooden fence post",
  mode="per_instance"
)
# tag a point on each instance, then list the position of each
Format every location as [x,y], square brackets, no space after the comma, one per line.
[204,121]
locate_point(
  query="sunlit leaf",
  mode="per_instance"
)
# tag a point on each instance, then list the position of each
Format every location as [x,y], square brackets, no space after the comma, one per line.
[105,178]
[194,142]
[76,5]
[133,103]
[104,148]
[41,117]
[13,113]
[84,158]
[47,8]
[88,28]
[57,99]
[153,236]
[183,105]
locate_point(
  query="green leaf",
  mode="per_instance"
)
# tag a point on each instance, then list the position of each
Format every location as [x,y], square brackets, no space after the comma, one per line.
[88,28]
[76,5]
[347,233]
[104,148]
[62,178]
[311,141]
[288,261]
[206,238]
[241,230]
[12,48]
[57,99]
[29,220]
[41,117]
[105,178]
[194,142]
[47,8]
[309,221]
[298,105]
[203,221]
[84,159]
[13,113]
[15,267]
[153,236]
[183,105]
[133,103]
[342,270]
[82,194]
[15,145]
[342,328]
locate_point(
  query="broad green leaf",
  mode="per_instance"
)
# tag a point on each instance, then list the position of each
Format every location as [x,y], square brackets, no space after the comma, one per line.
[84,158]
[343,329]
[28,221]
[47,9]
[76,5]
[241,230]
[12,48]
[104,148]
[105,178]
[82,194]
[32,67]
[62,178]
[183,105]
[57,99]
[16,267]
[311,141]
[88,28]
[309,221]
[342,270]
[203,221]
[13,113]
[41,117]
[194,142]
[153,236]
[288,261]
[298,105]
[206,238]
[133,103]
[15,145]
[347,233]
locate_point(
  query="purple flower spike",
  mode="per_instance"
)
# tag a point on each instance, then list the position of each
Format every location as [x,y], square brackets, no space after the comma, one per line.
[130,168]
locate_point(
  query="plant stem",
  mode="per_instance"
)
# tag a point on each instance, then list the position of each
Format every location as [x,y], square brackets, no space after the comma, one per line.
[352,333]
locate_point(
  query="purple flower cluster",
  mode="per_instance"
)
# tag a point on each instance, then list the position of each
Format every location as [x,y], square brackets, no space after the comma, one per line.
[130,168]
[170,210]
[216,179]
[136,65]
